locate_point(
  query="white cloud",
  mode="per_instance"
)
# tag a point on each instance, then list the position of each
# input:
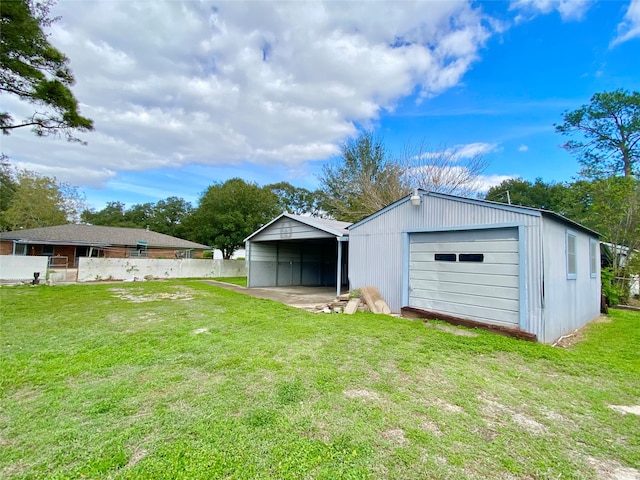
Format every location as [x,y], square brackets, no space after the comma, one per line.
[568,9]
[175,83]
[485,182]
[523,148]
[630,27]
[464,151]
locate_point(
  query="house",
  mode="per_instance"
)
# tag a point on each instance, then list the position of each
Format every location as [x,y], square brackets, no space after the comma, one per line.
[511,267]
[64,244]
[297,250]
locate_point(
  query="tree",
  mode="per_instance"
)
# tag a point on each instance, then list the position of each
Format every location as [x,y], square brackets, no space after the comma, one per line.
[298,201]
[366,178]
[113,215]
[8,187]
[538,194]
[36,72]
[168,215]
[362,181]
[610,129]
[229,212]
[41,201]
[447,170]
[165,216]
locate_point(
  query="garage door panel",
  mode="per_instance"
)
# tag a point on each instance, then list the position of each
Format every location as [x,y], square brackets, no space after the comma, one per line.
[489,258]
[488,291]
[465,267]
[480,235]
[492,316]
[499,246]
[473,301]
[471,278]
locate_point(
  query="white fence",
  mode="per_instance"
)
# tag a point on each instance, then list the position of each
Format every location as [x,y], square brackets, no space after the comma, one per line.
[18,268]
[95,269]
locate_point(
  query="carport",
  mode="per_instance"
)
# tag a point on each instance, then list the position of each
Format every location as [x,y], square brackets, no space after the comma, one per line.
[294,250]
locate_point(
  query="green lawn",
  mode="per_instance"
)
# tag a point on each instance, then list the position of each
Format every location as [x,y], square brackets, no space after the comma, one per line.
[181,379]
[240,281]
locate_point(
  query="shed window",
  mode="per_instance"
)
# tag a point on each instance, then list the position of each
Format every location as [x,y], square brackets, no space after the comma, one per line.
[471,257]
[594,249]
[572,267]
[445,257]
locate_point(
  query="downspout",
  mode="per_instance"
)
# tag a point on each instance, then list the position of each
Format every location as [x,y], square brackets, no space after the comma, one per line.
[339,269]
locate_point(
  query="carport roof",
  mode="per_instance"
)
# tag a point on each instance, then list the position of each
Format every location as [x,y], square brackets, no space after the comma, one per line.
[332,227]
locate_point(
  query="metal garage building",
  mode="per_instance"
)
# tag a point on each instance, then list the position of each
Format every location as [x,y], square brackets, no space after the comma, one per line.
[296,250]
[514,267]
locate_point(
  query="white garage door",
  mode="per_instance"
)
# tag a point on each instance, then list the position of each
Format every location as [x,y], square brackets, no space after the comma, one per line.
[471,274]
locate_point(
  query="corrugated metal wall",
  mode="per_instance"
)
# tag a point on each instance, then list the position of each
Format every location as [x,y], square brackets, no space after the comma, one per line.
[569,303]
[288,263]
[288,229]
[376,255]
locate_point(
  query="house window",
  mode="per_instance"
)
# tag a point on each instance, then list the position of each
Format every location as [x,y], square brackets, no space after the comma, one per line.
[445,257]
[20,248]
[572,266]
[594,249]
[47,250]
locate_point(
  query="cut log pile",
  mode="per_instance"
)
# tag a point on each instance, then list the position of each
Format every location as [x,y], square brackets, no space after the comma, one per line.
[367,299]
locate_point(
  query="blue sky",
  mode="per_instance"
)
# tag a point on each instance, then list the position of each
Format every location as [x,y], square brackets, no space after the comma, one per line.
[185,94]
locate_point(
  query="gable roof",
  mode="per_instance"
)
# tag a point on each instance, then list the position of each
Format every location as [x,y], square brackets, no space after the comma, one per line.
[486,203]
[332,227]
[98,235]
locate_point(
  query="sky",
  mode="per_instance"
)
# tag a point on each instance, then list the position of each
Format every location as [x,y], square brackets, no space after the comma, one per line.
[184,94]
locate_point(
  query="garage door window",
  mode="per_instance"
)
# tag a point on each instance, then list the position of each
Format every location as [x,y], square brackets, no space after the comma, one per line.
[471,257]
[445,257]
[572,268]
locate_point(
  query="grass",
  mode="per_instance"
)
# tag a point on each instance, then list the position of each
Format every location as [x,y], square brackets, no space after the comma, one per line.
[182,379]
[240,281]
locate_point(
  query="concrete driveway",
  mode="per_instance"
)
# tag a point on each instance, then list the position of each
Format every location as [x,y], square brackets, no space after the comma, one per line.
[307,298]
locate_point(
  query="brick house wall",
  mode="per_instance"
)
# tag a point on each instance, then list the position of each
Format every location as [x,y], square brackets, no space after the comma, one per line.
[69,251]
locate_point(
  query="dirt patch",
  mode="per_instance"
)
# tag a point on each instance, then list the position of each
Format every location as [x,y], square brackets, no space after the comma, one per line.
[460,332]
[137,455]
[395,436]
[431,427]
[497,412]
[576,336]
[624,409]
[361,393]
[136,296]
[611,470]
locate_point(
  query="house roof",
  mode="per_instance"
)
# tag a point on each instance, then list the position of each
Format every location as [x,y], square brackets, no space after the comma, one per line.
[333,227]
[97,235]
[498,205]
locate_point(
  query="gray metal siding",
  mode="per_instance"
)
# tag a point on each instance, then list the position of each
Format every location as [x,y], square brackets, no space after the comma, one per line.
[376,246]
[569,303]
[281,264]
[288,229]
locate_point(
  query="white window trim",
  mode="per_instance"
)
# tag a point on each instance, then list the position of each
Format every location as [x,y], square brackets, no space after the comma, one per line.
[594,251]
[569,233]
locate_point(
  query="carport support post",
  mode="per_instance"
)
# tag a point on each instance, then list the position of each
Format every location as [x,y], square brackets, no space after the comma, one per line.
[339,269]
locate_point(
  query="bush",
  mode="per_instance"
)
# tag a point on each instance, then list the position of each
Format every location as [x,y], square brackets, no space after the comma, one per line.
[611,288]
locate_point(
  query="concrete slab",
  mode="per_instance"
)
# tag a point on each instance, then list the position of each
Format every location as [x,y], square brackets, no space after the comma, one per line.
[307,298]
